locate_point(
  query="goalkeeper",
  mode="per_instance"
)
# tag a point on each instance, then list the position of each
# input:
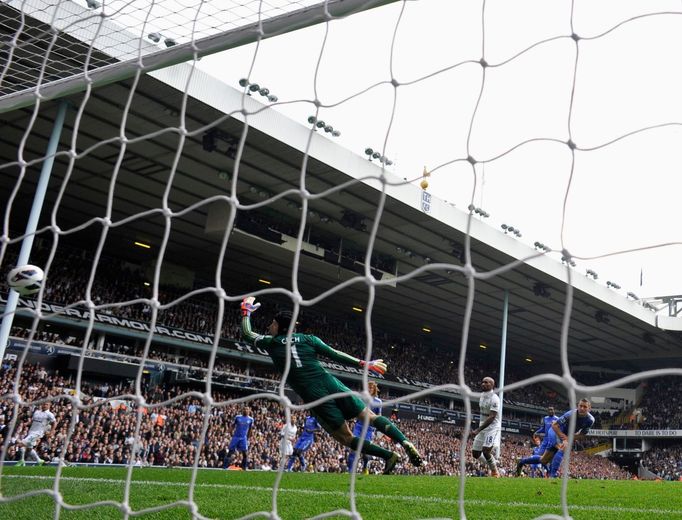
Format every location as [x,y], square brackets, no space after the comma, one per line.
[312,382]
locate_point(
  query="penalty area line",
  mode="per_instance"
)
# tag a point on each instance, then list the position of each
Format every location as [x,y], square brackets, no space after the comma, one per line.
[373,496]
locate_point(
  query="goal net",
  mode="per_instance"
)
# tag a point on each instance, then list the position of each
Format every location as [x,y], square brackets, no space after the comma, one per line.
[430,184]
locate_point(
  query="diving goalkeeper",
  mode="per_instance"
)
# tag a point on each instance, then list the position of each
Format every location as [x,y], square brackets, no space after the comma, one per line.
[312,382]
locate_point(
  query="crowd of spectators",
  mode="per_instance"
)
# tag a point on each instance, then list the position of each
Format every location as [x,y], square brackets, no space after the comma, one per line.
[174,430]
[665,461]
[661,405]
[121,282]
[171,433]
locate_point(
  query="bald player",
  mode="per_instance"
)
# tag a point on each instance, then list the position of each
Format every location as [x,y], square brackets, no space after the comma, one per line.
[488,432]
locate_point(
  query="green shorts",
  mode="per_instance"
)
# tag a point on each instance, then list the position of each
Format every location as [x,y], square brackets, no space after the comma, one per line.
[334,413]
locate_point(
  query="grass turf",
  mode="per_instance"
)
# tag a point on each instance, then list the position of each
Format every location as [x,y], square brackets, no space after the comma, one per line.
[236,494]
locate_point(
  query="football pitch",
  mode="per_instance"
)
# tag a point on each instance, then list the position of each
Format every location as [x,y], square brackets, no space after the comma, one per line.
[236,494]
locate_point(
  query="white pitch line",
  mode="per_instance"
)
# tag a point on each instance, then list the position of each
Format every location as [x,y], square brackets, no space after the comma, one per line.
[406,498]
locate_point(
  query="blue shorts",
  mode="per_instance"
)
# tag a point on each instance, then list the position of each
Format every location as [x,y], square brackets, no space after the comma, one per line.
[303,444]
[552,441]
[239,444]
[369,434]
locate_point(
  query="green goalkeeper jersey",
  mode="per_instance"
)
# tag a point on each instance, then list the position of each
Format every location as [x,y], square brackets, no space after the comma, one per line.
[305,369]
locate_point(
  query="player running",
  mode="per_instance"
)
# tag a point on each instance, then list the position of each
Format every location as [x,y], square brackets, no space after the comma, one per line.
[488,431]
[312,382]
[240,438]
[288,434]
[304,442]
[357,429]
[41,422]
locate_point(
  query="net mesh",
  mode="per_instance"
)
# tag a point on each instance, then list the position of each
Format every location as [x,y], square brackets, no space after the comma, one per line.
[65,38]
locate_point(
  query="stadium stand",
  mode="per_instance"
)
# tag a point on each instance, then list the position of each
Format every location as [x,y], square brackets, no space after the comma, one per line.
[170,434]
[665,461]
[123,282]
[408,359]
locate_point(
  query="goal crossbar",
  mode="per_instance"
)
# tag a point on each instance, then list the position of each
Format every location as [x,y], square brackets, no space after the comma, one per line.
[125,69]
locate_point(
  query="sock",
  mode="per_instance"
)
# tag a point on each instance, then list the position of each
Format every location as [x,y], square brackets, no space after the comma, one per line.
[351,458]
[245,461]
[34,455]
[386,427]
[22,451]
[304,464]
[491,463]
[534,459]
[292,458]
[370,449]
[556,463]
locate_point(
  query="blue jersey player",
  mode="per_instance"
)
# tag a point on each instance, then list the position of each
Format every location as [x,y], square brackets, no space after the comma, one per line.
[240,438]
[558,435]
[543,430]
[304,442]
[538,450]
[357,429]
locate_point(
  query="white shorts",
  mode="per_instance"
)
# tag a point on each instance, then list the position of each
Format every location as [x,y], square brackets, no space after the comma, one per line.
[32,439]
[486,439]
[287,448]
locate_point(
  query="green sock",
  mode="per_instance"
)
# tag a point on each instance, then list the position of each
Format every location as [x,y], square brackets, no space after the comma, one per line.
[386,427]
[370,449]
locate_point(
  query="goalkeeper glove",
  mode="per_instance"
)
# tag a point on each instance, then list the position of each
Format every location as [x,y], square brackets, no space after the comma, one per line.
[376,366]
[248,306]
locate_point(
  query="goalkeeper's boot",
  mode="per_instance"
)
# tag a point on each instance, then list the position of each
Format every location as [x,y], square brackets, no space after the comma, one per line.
[391,462]
[21,463]
[413,454]
[40,462]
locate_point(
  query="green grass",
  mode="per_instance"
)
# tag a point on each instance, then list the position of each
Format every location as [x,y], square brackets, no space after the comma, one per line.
[235,494]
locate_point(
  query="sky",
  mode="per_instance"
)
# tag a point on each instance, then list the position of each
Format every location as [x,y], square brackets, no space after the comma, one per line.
[622,195]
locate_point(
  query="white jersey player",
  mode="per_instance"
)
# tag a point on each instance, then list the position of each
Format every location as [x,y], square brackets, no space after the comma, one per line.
[288,434]
[41,422]
[488,432]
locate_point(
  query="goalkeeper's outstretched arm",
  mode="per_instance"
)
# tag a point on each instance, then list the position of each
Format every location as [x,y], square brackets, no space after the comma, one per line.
[376,366]
[247,307]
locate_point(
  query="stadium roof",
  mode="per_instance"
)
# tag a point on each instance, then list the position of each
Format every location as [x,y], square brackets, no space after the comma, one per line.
[606,328]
